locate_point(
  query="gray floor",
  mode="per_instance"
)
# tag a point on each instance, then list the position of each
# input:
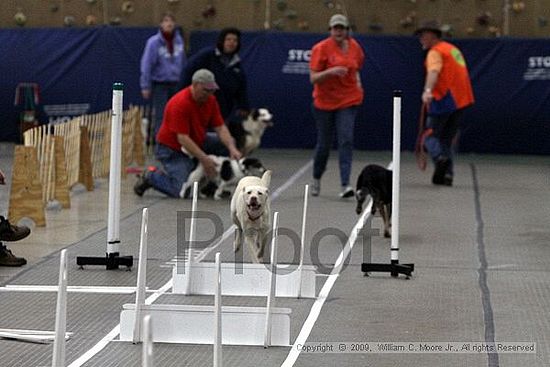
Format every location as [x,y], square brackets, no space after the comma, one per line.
[479,249]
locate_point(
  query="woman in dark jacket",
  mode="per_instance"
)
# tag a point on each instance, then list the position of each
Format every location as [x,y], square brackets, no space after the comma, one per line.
[224,61]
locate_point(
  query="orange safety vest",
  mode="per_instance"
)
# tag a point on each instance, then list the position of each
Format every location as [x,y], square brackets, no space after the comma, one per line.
[453,84]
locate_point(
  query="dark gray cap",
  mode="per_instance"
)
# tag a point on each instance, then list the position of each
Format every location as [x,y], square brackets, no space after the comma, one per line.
[430,26]
[205,76]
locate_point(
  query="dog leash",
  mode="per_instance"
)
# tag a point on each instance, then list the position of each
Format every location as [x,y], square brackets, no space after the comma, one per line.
[419,150]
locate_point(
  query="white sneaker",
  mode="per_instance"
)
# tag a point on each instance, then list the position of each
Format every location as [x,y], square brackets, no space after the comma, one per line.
[347,192]
[315,187]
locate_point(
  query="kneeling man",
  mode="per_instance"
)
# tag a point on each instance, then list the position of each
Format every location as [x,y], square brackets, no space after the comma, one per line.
[183,136]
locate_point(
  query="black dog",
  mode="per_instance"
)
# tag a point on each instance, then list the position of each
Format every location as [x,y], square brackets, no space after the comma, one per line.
[376,181]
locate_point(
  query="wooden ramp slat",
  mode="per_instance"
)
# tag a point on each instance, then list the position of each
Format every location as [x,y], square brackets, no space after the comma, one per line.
[26,188]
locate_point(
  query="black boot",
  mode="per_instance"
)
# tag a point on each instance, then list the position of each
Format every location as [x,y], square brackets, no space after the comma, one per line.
[7,258]
[441,167]
[142,185]
[11,233]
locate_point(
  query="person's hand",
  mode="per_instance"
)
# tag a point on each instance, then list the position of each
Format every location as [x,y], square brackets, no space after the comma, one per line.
[2,178]
[235,154]
[146,93]
[427,96]
[338,70]
[209,167]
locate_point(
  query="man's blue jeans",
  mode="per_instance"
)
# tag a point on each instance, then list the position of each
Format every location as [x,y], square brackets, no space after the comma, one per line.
[342,121]
[176,166]
[161,93]
[439,142]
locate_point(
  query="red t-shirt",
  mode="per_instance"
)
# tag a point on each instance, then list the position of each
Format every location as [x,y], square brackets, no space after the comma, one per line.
[337,92]
[182,115]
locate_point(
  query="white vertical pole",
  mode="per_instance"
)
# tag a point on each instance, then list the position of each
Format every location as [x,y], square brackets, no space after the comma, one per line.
[141,277]
[396,166]
[147,350]
[272,280]
[267,20]
[302,241]
[506,18]
[189,259]
[218,315]
[58,359]
[113,235]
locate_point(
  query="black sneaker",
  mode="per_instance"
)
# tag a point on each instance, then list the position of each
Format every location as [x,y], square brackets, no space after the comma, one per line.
[142,185]
[7,258]
[11,233]
[448,180]
[441,167]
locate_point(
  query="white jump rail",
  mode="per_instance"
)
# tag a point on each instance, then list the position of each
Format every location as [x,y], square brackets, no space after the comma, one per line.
[195,324]
[198,324]
[249,279]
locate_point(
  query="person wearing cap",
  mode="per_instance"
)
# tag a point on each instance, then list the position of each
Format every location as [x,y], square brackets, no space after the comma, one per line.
[447,93]
[223,60]
[162,61]
[337,92]
[183,138]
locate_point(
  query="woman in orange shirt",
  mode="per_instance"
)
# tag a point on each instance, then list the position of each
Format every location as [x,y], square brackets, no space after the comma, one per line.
[337,93]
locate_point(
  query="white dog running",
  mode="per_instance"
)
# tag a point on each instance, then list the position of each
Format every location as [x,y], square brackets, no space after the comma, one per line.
[251,213]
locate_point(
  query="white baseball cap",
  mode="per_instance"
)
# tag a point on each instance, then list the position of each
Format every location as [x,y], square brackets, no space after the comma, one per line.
[338,19]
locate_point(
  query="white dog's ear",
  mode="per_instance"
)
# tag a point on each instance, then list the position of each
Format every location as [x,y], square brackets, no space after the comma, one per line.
[266,178]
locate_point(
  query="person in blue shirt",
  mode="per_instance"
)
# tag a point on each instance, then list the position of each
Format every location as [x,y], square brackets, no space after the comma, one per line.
[161,65]
[224,62]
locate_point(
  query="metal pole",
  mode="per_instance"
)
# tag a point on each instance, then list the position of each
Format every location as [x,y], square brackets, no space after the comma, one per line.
[218,315]
[302,241]
[396,166]
[141,277]
[189,259]
[113,234]
[506,18]
[267,20]
[58,359]
[147,350]
[272,280]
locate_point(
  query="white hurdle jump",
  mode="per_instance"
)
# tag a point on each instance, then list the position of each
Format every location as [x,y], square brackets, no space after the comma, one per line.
[247,279]
[198,324]
[60,335]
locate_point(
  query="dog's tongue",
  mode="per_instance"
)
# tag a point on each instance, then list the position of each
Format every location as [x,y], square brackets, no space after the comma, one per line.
[253,207]
[253,210]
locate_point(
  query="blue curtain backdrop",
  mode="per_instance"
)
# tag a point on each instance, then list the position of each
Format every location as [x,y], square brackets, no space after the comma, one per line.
[511,79]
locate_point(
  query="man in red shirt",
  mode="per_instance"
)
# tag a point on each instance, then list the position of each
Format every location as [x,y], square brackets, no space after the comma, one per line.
[183,137]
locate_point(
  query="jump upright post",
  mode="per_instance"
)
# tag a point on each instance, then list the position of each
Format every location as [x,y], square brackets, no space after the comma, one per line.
[112,259]
[394,268]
